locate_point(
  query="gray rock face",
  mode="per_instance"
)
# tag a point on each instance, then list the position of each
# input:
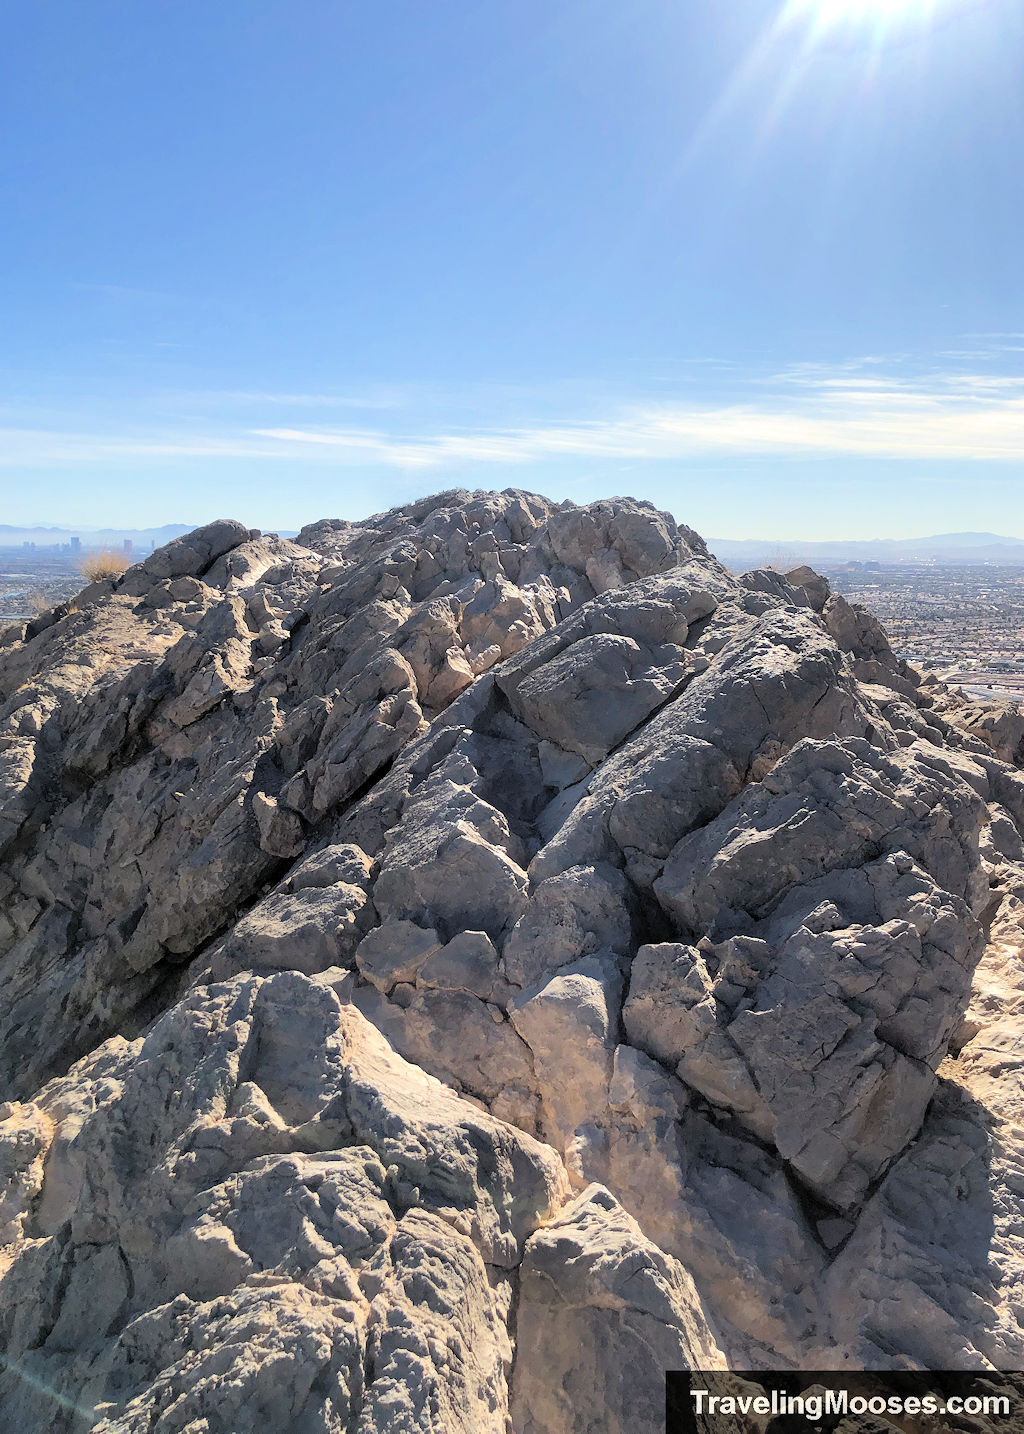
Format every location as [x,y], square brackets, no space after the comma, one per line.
[573,914]
[602,1313]
[455,966]
[570,1024]
[297,1228]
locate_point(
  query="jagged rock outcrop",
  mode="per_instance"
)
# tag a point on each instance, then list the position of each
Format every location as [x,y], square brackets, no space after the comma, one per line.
[457,965]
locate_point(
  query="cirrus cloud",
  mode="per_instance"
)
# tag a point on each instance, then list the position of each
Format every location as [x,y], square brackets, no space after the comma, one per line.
[807,412]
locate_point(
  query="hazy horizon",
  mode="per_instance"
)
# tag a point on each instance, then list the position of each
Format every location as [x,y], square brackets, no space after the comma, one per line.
[63,530]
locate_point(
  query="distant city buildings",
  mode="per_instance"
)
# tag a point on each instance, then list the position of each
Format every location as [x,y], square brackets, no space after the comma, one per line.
[65,544]
[965,623]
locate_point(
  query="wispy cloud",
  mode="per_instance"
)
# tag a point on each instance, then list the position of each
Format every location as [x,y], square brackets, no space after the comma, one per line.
[34,447]
[810,411]
[972,418]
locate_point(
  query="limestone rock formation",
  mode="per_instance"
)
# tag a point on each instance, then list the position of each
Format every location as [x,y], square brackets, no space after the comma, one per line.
[458,965]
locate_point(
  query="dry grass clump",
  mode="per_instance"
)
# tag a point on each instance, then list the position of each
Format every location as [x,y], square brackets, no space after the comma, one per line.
[103,563]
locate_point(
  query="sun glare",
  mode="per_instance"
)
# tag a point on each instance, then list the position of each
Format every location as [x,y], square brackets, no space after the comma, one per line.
[880,12]
[866,7]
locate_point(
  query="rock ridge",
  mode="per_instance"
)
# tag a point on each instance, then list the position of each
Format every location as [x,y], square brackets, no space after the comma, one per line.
[458,965]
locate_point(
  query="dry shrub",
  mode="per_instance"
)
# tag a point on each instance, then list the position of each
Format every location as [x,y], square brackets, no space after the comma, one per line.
[782,561]
[103,563]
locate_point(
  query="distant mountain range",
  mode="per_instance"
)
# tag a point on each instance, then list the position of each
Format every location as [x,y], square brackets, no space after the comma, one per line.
[742,554]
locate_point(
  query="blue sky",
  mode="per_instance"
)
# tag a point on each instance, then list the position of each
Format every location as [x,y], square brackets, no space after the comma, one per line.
[756,260]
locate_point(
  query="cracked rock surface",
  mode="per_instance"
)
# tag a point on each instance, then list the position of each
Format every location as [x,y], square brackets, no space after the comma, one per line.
[458,965]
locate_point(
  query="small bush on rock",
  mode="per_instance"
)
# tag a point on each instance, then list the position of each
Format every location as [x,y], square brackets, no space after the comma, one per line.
[103,563]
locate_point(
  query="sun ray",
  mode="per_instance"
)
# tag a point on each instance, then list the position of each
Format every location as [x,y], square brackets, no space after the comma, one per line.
[823,15]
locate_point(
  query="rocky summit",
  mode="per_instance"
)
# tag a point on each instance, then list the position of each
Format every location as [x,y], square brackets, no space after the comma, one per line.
[459,965]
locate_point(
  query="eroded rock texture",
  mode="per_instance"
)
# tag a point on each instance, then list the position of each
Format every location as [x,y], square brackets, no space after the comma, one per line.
[458,965]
